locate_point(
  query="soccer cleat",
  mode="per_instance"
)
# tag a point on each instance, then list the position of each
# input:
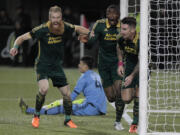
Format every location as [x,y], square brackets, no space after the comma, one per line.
[133,129]
[70,124]
[118,126]
[23,105]
[35,122]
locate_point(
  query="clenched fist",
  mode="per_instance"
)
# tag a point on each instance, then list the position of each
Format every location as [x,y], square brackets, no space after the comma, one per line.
[83,38]
[13,51]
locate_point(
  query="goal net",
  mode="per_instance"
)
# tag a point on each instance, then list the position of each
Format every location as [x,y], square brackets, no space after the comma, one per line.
[163,65]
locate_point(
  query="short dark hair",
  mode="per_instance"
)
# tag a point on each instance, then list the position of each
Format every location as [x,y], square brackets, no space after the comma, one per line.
[131,21]
[115,7]
[88,60]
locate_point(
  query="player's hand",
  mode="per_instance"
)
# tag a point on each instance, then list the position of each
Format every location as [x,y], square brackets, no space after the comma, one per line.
[92,34]
[83,38]
[120,70]
[13,51]
[128,80]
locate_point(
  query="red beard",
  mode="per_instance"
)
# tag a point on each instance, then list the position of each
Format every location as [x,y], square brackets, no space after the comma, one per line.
[56,31]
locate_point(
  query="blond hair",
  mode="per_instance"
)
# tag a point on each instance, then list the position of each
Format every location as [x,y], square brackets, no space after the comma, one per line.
[55,9]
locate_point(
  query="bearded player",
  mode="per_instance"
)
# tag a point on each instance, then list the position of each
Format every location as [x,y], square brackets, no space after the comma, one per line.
[51,39]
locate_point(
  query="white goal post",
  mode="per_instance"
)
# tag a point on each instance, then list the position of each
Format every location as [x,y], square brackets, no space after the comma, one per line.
[159,64]
[143,67]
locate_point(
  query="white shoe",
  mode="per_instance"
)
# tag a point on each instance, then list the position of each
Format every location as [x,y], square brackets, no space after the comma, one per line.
[118,126]
[127,118]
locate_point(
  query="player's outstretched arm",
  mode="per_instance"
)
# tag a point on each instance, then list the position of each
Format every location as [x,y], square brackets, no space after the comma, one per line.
[81,30]
[18,42]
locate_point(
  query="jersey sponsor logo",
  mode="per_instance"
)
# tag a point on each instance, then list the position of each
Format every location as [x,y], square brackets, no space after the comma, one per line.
[54,40]
[110,36]
[130,50]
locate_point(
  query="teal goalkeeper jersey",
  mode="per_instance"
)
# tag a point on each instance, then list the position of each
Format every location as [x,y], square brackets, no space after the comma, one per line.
[90,85]
[51,46]
[106,35]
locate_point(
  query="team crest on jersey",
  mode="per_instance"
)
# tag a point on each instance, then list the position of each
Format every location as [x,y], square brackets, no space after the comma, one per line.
[130,50]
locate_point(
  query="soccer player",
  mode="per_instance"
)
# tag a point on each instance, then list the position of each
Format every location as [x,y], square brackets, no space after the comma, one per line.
[89,84]
[105,31]
[51,37]
[128,47]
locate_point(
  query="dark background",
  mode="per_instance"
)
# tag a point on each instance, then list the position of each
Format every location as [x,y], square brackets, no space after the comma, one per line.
[37,10]
[164,30]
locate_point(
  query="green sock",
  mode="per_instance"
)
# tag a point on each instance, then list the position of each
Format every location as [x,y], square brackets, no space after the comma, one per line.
[119,108]
[136,111]
[67,104]
[39,102]
[67,117]
[37,114]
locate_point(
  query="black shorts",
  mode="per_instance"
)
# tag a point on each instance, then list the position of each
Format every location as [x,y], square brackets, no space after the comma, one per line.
[53,72]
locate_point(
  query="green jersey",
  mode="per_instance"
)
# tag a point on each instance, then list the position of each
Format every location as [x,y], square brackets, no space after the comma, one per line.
[51,46]
[130,48]
[106,35]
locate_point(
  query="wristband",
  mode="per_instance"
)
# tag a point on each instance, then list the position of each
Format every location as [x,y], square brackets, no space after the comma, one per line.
[120,63]
[16,46]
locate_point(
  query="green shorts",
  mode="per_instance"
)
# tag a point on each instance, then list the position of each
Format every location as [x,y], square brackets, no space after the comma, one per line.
[108,73]
[54,72]
[128,70]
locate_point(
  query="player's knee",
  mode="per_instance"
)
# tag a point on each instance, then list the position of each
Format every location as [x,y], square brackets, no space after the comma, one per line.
[127,101]
[43,90]
[65,97]
[66,94]
[110,96]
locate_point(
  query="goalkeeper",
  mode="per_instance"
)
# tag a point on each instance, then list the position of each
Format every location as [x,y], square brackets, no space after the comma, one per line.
[89,84]
[128,45]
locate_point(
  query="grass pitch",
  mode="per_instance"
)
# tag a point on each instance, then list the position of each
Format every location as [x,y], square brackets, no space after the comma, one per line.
[21,82]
